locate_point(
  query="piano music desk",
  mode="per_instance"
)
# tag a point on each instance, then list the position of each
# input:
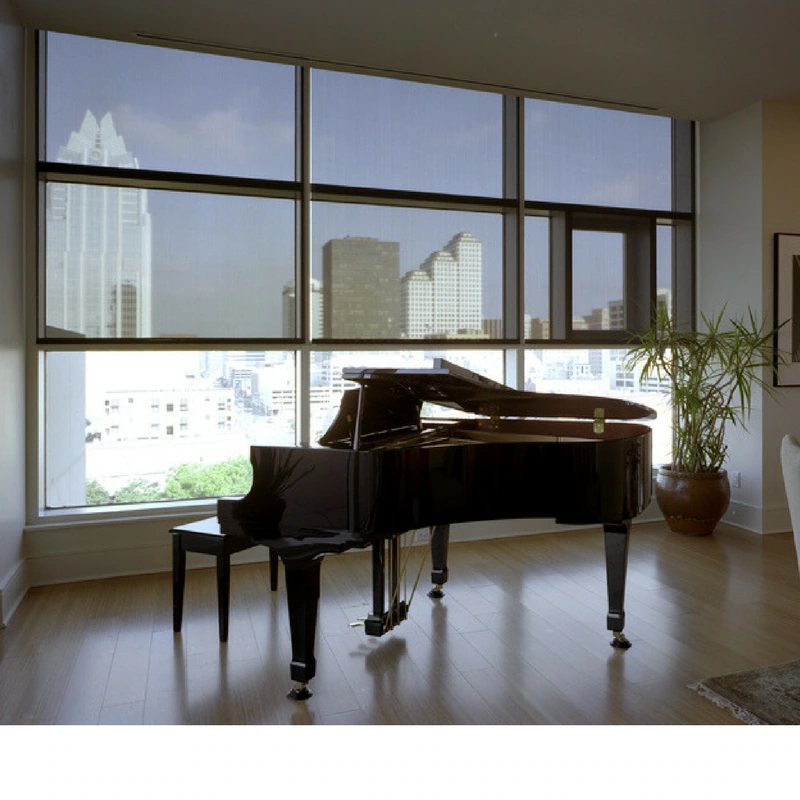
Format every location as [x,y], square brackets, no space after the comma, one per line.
[205,536]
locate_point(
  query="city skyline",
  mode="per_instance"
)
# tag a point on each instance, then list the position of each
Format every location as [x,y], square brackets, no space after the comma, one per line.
[209,114]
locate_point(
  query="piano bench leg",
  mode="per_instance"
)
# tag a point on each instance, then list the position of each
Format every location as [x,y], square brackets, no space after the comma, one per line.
[203,538]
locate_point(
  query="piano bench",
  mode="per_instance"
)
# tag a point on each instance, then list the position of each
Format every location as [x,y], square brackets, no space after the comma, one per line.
[205,536]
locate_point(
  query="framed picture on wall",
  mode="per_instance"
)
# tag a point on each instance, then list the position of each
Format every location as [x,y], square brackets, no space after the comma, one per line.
[787,307]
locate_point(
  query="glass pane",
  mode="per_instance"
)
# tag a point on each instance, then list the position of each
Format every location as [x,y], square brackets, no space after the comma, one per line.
[601,372]
[328,386]
[393,134]
[124,262]
[537,278]
[664,255]
[131,427]
[389,272]
[116,104]
[597,280]
[596,156]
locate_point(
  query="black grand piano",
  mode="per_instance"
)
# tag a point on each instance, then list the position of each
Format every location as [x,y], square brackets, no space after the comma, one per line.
[383,470]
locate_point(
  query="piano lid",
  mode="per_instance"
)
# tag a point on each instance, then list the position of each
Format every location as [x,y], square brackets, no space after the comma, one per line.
[449,385]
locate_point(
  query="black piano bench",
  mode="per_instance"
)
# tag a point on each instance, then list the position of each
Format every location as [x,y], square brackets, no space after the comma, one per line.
[205,536]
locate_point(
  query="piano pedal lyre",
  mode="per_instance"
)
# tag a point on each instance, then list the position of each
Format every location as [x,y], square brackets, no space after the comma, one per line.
[379,623]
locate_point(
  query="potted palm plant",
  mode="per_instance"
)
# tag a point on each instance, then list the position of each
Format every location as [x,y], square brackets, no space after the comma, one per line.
[712,372]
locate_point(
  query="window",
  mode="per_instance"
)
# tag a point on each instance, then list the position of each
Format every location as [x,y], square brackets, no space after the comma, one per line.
[392,134]
[132,106]
[406,273]
[208,249]
[596,156]
[185,264]
[596,371]
[133,446]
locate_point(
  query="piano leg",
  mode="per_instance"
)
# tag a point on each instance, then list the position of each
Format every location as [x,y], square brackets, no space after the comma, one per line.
[440,537]
[302,594]
[178,581]
[617,535]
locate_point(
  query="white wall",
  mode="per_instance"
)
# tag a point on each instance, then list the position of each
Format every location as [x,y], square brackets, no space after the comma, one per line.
[729,266]
[12,350]
[781,206]
[749,189]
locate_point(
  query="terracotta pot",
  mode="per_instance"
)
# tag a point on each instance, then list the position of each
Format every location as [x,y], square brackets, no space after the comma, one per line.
[692,503]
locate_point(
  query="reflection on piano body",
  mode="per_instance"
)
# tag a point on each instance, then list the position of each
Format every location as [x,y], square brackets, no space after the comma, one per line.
[383,470]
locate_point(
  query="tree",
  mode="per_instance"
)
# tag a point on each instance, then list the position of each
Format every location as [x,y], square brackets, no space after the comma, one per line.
[231,477]
[96,494]
[139,490]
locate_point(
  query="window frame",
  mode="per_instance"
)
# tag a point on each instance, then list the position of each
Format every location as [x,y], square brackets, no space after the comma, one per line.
[637,225]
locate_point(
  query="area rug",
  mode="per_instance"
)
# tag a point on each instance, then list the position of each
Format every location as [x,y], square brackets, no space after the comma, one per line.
[763,696]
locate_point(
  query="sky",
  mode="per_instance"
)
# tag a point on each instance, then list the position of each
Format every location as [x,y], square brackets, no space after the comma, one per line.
[220,263]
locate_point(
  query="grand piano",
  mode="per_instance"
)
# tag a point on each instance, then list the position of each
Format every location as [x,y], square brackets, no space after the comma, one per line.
[383,469]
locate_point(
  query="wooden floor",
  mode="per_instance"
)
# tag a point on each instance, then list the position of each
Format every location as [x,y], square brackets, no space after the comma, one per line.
[519,638]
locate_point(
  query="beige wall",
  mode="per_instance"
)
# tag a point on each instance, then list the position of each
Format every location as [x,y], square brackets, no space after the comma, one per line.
[781,206]
[729,265]
[12,351]
[749,189]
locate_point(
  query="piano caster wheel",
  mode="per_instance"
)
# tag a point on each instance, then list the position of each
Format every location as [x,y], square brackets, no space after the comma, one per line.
[299,692]
[436,592]
[619,641]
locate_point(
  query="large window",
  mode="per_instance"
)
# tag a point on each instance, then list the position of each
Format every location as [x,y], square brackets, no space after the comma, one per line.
[220,237]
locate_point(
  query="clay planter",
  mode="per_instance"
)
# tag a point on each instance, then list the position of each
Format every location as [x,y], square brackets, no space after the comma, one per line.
[692,503]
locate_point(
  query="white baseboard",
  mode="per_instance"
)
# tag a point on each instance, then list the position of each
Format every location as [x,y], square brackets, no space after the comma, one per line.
[78,551]
[758,519]
[12,589]
[70,552]
[777,520]
[67,553]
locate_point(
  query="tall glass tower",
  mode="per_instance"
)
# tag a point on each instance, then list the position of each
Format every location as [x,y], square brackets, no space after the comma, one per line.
[98,269]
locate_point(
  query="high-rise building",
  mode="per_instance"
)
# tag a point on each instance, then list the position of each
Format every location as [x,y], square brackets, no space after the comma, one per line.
[360,280]
[444,296]
[416,301]
[289,309]
[98,250]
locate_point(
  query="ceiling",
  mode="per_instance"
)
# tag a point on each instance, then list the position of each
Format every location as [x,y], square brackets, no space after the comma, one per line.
[695,59]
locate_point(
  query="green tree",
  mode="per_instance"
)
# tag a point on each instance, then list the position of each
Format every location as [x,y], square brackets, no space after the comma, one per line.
[139,490]
[231,477]
[96,494]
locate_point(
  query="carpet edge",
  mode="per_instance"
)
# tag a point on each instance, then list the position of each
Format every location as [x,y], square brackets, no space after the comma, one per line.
[723,702]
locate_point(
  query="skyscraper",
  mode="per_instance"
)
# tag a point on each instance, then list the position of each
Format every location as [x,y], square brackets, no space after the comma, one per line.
[444,296]
[98,250]
[289,306]
[97,284]
[360,281]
